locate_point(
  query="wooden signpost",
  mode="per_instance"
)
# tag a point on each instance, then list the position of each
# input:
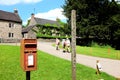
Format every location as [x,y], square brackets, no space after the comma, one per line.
[73,54]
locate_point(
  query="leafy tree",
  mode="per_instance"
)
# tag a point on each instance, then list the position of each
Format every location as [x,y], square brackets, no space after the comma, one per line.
[64,29]
[97,18]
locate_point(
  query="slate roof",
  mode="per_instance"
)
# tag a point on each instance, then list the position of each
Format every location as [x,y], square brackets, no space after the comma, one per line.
[39,21]
[28,28]
[45,21]
[8,16]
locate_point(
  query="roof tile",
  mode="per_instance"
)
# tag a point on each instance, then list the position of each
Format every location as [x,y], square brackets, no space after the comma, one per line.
[8,16]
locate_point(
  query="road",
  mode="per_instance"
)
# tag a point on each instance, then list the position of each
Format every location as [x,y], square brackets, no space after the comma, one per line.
[111,67]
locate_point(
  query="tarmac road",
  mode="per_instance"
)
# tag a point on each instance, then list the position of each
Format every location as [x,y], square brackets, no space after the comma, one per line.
[111,67]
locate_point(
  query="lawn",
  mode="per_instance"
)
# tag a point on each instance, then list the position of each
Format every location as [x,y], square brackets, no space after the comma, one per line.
[49,67]
[98,51]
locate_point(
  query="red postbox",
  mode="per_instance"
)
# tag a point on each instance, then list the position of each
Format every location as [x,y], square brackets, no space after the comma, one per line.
[28,55]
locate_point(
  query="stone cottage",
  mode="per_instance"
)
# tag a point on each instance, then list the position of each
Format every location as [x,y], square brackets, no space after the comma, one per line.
[10,26]
[28,32]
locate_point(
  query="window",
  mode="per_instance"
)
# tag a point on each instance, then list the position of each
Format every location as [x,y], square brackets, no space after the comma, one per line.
[11,25]
[10,35]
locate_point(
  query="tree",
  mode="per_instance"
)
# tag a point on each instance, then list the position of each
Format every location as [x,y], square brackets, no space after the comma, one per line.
[96,18]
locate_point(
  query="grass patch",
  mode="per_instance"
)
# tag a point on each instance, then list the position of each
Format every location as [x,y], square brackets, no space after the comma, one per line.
[49,67]
[98,51]
[104,51]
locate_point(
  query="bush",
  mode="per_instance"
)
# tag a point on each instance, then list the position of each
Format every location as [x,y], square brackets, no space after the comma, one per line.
[50,37]
[94,44]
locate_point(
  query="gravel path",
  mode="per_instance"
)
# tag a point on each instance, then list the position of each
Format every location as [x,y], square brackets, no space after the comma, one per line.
[112,67]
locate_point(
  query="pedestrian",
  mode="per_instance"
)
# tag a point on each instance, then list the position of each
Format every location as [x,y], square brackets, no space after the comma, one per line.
[99,67]
[57,43]
[64,44]
[68,45]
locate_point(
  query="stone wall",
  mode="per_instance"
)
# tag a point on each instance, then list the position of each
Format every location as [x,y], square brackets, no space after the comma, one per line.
[9,40]
[47,40]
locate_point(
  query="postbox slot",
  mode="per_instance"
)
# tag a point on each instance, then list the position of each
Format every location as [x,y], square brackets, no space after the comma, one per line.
[30,46]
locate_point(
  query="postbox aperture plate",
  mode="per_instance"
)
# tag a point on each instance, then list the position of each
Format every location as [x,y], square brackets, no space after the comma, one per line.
[30,60]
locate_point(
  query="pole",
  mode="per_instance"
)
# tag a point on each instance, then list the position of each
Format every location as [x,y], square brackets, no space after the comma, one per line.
[27,75]
[73,54]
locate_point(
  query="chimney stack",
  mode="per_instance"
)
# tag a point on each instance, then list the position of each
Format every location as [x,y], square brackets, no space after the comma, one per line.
[15,11]
[32,15]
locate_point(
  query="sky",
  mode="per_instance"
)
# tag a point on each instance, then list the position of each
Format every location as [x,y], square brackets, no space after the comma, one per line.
[46,9]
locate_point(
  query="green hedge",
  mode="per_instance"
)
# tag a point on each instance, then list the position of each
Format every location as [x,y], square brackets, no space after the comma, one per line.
[50,37]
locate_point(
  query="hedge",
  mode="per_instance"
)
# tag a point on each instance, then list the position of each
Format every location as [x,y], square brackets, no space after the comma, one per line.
[50,36]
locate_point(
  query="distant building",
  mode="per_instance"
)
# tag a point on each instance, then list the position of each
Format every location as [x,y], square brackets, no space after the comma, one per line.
[29,31]
[10,26]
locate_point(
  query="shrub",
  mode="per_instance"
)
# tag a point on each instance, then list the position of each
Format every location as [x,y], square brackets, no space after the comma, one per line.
[50,37]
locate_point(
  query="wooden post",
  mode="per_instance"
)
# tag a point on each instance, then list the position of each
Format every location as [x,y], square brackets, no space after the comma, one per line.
[73,54]
[97,70]
[91,51]
[108,51]
[27,75]
[118,55]
[117,78]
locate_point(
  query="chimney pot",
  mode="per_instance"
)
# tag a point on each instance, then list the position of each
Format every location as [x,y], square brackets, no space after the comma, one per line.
[16,11]
[32,15]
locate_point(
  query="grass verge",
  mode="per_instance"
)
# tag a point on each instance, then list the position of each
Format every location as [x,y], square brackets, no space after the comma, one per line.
[48,67]
[98,51]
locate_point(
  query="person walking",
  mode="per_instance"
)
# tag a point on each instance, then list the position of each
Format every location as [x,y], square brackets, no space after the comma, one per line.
[68,45]
[64,45]
[57,43]
[99,67]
